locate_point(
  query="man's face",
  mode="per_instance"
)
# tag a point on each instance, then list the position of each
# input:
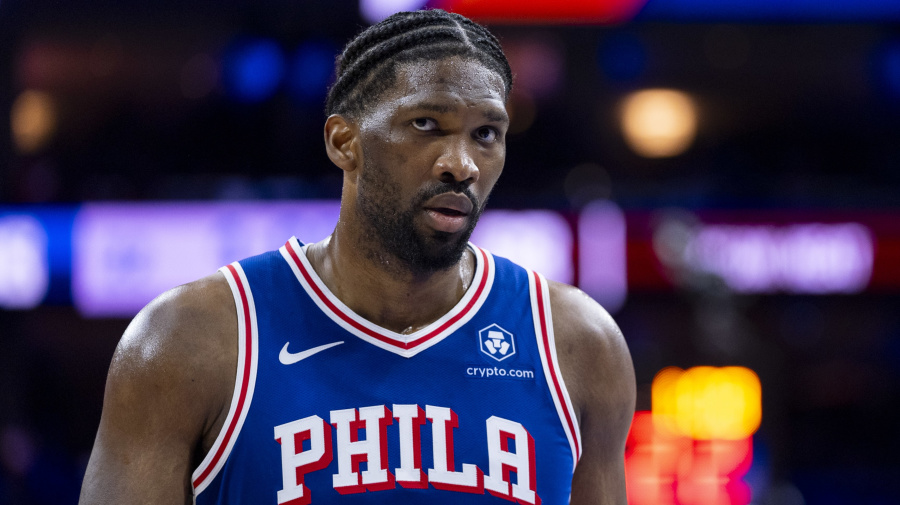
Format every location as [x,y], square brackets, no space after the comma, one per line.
[433,148]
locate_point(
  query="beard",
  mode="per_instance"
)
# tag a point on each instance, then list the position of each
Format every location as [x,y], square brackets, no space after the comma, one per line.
[391,229]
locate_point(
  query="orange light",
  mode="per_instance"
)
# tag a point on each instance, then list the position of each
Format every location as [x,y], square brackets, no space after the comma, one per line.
[33,120]
[659,123]
[707,403]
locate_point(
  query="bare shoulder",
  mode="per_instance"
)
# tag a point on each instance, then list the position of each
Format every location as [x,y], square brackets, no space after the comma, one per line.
[184,343]
[593,355]
[599,375]
[190,324]
[167,392]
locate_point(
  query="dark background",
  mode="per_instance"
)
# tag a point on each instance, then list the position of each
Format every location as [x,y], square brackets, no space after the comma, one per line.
[796,115]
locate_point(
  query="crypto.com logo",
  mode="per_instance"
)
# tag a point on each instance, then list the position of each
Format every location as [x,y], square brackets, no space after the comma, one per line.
[496,342]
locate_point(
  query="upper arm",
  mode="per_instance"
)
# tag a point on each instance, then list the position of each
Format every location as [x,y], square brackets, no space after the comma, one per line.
[167,387]
[599,375]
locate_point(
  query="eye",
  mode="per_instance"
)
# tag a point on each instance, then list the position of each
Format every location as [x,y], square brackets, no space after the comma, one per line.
[487,134]
[425,124]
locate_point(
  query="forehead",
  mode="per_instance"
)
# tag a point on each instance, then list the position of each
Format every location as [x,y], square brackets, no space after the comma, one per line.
[447,80]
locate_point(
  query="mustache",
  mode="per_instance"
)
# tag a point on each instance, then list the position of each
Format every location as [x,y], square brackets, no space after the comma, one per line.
[439,188]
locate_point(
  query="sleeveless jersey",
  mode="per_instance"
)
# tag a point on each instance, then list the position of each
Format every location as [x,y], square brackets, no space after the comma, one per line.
[331,408]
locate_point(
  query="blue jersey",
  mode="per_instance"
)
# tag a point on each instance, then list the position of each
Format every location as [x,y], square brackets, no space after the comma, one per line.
[331,408]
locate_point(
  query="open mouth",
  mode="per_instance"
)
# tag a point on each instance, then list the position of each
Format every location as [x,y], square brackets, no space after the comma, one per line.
[448,212]
[446,220]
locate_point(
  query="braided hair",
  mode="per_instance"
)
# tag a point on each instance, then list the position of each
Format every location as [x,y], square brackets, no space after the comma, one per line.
[368,65]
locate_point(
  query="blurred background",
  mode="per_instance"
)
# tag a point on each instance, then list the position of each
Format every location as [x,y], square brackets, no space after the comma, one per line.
[722,175]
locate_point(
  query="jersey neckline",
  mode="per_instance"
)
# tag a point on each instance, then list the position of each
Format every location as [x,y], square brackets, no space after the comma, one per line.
[404,345]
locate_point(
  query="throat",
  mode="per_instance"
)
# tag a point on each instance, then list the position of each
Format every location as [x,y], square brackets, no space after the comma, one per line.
[406,311]
[396,300]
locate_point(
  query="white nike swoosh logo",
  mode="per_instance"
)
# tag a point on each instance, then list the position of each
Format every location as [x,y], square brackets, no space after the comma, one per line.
[289,358]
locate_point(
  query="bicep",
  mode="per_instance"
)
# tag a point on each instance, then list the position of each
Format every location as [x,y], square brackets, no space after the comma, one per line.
[162,395]
[599,477]
[599,373]
[606,418]
[141,452]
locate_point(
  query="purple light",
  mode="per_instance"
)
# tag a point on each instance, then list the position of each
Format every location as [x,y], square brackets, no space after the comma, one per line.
[540,240]
[803,258]
[24,269]
[374,11]
[601,260]
[126,254]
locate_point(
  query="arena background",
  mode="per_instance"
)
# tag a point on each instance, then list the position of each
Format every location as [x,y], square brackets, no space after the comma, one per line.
[744,213]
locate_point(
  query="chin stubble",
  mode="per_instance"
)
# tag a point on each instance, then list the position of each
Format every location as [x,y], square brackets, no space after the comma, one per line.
[391,236]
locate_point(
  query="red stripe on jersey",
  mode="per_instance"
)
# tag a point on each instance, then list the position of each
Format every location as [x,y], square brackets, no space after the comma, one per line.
[553,369]
[384,338]
[245,379]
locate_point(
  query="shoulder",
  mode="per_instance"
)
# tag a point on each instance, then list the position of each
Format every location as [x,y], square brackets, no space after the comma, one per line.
[593,355]
[180,322]
[167,395]
[599,375]
[183,343]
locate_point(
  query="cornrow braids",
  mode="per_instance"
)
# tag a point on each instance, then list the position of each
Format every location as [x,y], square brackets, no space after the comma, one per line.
[368,65]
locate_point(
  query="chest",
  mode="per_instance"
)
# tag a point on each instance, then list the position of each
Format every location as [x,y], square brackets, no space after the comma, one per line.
[336,413]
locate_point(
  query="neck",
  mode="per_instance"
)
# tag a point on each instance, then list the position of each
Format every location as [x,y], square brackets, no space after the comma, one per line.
[381,289]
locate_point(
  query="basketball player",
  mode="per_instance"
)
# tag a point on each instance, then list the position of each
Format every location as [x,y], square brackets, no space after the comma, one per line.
[393,362]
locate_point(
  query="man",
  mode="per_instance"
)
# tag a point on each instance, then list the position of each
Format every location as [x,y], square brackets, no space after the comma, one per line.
[392,362]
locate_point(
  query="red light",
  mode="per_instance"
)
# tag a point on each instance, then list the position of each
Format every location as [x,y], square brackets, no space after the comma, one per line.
[666,469]
[543,11]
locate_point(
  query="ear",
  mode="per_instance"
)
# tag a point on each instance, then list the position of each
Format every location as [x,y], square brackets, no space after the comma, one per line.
[342,142]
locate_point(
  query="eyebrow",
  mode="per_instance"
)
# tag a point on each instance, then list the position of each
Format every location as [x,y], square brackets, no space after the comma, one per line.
[433,107]
[491,115]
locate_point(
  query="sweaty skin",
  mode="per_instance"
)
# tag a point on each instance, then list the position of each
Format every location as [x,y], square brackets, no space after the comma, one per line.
[442,124]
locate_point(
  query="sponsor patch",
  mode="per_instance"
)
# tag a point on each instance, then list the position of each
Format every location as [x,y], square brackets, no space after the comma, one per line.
[495,372]
[496,343]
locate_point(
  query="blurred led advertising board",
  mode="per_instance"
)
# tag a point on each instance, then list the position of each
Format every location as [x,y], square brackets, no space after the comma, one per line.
[772,10]
[602,254]
[24,267]
[110,259]
[620,11]
[513,11]
[799,252]
[546,11]
[797,258]
[540,240]
[126,254]
[35,255]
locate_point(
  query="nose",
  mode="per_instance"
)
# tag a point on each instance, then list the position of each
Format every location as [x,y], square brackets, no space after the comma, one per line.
[456,163]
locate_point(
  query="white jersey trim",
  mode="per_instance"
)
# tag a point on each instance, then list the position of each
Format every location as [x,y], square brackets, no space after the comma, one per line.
[245,379]
[398,343]
[546,343]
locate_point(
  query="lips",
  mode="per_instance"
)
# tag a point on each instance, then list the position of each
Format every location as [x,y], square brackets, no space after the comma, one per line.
[448,212]
[450,203]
